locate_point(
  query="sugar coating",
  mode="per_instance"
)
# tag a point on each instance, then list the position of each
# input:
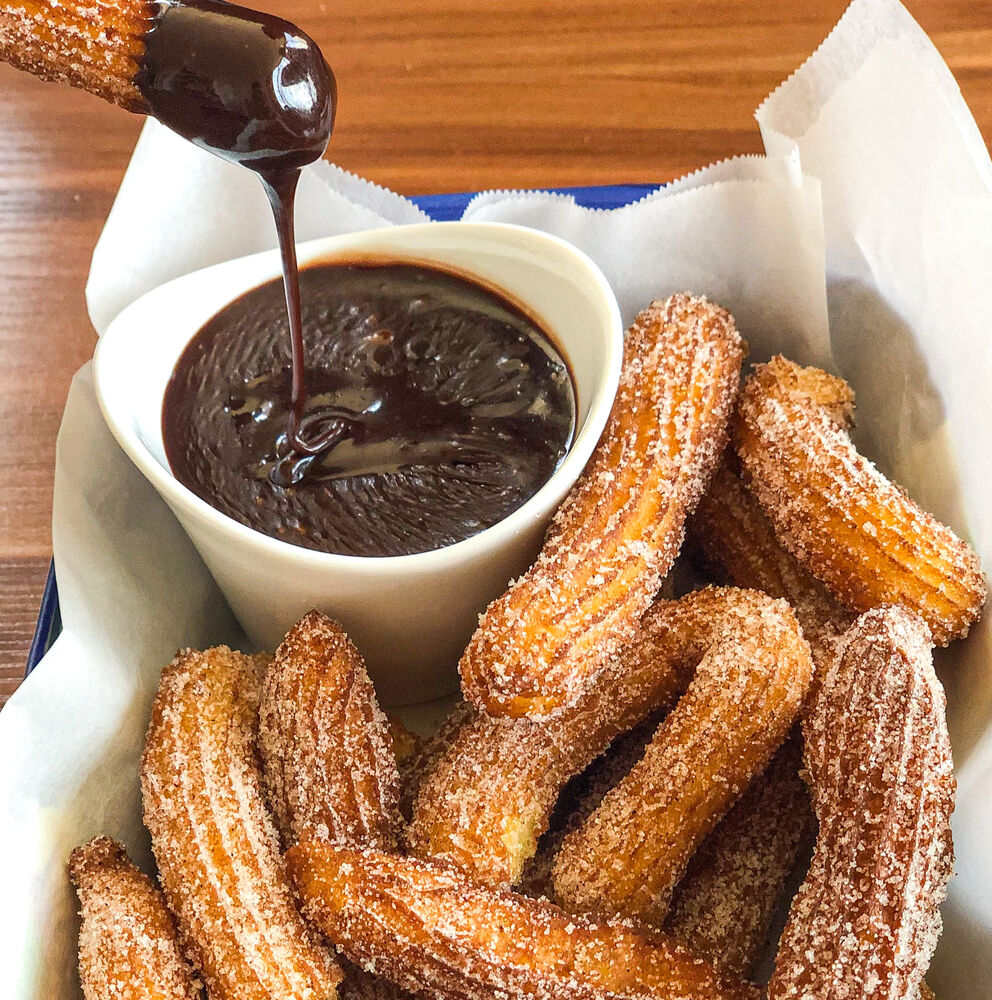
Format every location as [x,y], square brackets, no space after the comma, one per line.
[326,747]
[216,843]
[865,922]
[618,532]
[724,906]
[752,671]
[95,45]
[489,784]
[738,543]
[579,799]
[429,928]
[837,514]
[128,946]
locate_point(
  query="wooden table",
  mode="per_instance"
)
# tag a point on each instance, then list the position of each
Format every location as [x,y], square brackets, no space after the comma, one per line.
[447,96]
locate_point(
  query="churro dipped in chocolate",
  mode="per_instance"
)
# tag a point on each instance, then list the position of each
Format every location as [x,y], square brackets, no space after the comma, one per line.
[327,752]
[248,86]
[752,670]
[95,47]
[128,945]
[428,927]
[214,840]
[540,645]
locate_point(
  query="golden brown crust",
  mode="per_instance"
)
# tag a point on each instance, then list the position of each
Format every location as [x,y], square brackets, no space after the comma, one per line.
[128,946]
[865,921]
[406,744]
[95,46]
[731,532]
[724,906]
[426,926]
[216,844]
[616,535]
[491,783]
[837,514]
[579,799]
[326,746]
[752,670]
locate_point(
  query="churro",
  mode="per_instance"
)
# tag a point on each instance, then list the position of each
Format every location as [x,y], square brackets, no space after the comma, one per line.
[327,750]
[724,906]
[491,784]
[579,798]
[96,47]
[216,844]
[865,921]
[752,670]
[738,544]
[128,946]
[428,927]
[615,537]
[837,514]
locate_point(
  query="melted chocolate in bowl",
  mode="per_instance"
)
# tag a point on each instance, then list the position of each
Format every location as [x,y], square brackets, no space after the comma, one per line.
[440,408]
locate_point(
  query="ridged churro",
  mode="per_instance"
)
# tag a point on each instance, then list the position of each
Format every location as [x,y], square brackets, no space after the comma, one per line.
[730,531]
[96,47]
[428,927]
[327,750]
[616,535]
[491,784]
[865,922]
[128,946]
[724,906]
[216,844]
[752,670]
[837,514]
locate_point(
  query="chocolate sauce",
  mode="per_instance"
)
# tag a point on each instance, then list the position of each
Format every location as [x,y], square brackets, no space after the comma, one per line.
[440,407]
[247,86]
[255,90]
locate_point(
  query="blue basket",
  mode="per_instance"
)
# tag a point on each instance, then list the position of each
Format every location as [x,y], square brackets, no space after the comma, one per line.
[441,208]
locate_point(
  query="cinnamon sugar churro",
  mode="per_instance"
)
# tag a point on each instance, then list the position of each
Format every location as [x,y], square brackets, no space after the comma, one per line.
[878,761]
[837,514]
[216,844]
[736,539]
[724,906]
[490,784]
[96,47]
[752,670]
[428,927]
[128,946]
[326,745]
[541,644]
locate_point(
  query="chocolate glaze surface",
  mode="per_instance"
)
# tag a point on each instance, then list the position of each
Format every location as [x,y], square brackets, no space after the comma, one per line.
[247,86]
[439,407]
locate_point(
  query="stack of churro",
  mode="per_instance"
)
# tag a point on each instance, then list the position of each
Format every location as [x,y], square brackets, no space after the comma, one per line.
[618,804]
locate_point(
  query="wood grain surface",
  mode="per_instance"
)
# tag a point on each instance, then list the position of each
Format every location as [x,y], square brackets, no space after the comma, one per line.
[447,96]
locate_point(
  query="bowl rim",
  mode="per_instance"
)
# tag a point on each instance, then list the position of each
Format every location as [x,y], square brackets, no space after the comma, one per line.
[496,535]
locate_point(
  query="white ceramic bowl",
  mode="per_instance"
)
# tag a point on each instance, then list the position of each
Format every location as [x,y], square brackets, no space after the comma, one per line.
[411,616]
